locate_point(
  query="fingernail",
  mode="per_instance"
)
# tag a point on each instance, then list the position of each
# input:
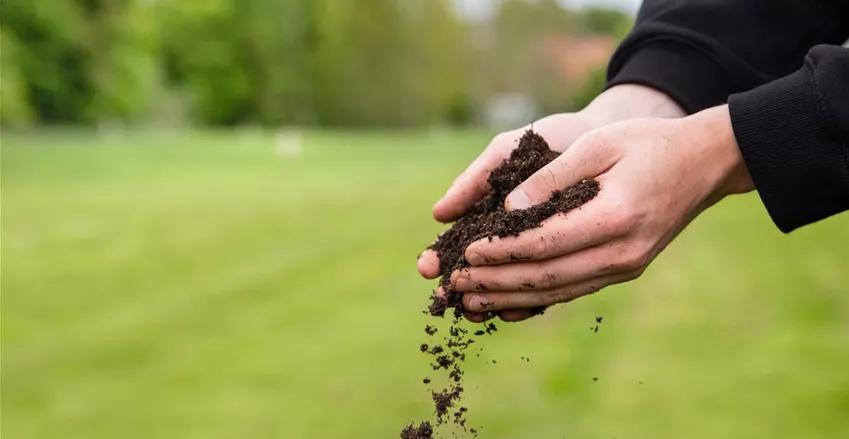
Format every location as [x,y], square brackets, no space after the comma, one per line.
[518,200]
[474,258]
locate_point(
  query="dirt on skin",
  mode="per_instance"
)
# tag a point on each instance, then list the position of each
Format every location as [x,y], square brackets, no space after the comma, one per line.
[486,219]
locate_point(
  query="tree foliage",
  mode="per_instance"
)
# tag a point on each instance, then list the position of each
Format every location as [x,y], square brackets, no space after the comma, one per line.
[271,62]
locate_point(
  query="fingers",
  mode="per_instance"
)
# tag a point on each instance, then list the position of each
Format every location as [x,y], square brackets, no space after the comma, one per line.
[539,276]
[516,315]
[494,302]
[478,317]
[592,224]
[471,185]
[428,264]
[588,157]
[510,315]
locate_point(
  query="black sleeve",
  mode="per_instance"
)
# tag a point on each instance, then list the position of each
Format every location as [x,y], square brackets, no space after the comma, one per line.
[793,132]
[794,137]
[701,51]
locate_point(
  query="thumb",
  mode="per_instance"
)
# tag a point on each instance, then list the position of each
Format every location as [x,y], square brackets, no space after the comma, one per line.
[588,157]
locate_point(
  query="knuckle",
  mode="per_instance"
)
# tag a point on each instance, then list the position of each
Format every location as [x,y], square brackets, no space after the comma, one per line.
[618,216]
[561,296]
[549,277]
[633,261]
[554,297]
[540,246]
[633,274]
[594,139]
[502,138]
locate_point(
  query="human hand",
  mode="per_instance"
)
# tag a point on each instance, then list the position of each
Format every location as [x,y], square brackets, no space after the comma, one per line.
[618,103]
[656,176]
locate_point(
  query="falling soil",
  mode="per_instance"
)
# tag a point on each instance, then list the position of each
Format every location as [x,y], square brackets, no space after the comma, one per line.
[486,219]
[423,431]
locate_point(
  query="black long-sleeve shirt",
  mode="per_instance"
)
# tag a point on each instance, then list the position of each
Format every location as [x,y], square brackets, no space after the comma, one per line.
[789,111]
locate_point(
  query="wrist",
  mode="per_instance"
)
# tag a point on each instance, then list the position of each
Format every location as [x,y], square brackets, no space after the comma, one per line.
[722,158]
[631,101]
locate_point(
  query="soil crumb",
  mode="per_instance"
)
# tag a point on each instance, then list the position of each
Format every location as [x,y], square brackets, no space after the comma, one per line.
[423,431]
[486,219]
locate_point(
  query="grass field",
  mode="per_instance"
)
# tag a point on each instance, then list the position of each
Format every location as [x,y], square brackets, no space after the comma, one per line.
[198,286]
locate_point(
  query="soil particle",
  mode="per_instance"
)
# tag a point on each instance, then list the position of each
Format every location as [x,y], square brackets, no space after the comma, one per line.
[423,431]
[538,311]
[444,400]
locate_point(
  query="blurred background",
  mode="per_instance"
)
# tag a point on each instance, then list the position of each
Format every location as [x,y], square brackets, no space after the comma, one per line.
[211,208]
[325,63]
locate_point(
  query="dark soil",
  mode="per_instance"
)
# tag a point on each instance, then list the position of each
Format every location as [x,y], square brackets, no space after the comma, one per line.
[424,431]
[486,219]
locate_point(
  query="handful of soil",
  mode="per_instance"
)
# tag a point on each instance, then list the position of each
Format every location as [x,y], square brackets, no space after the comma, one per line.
[486,219]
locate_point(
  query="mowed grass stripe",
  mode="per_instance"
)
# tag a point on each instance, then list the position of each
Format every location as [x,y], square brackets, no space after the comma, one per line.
[127,352]
[709,342]
[736,331]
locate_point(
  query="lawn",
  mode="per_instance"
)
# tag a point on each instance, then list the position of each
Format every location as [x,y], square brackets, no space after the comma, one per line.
[197,285]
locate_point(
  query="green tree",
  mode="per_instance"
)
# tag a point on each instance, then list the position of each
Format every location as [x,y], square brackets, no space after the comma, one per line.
[605,21]
[14,100]
[203,53]
[592,86]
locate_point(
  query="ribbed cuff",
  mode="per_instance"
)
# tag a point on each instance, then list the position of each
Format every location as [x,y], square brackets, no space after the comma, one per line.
[794,159]
[688,76]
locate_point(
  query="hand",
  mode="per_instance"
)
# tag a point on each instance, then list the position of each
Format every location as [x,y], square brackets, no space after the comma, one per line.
[656,176]
[618,103]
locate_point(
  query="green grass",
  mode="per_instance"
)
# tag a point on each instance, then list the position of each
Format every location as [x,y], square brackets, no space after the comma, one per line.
[195,285]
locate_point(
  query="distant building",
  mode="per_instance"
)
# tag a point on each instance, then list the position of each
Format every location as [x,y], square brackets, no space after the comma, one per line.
[509,110]
[576,57]
[573,58]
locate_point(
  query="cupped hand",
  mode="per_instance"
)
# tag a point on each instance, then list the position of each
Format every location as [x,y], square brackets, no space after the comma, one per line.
[656,176]
[560,131]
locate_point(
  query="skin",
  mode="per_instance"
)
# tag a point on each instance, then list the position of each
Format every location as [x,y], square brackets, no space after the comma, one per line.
[656,174]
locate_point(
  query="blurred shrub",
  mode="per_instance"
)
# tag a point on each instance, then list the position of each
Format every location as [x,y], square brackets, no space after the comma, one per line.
[275,62]
[592,86]
[14,102]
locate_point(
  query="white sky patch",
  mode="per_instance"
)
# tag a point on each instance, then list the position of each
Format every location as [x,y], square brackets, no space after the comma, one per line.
[484,9]
[631,6]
